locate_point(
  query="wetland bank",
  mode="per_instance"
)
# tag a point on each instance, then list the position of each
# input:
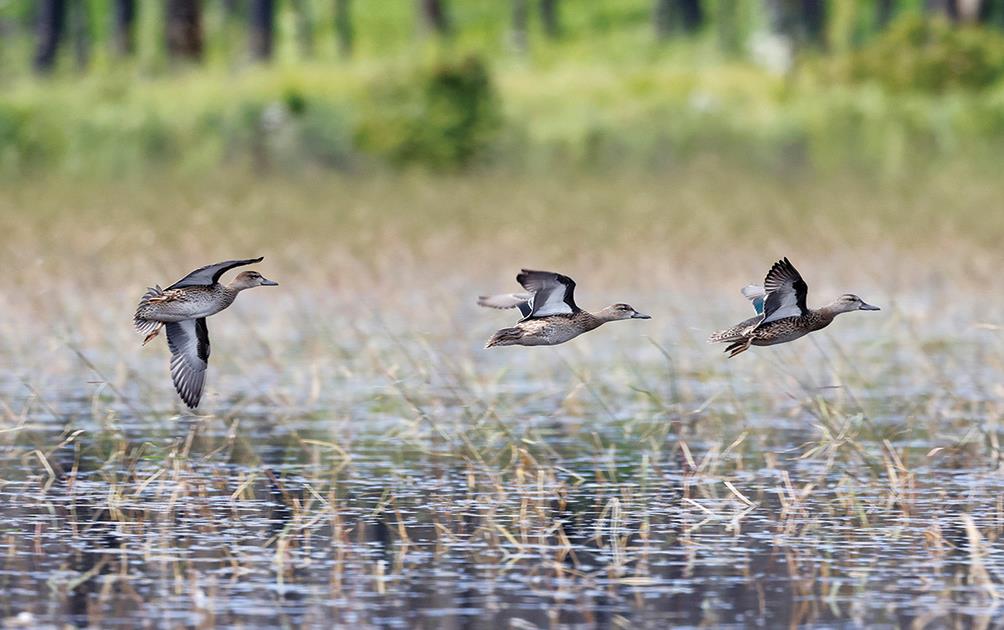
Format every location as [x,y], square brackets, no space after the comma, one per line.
[360,459]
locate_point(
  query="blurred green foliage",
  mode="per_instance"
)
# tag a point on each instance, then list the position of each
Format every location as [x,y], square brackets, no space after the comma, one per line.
[928,55]
[445,117]
[605,94]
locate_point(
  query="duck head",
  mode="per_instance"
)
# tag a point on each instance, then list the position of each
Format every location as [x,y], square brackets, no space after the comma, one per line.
[620,311]
[849,302]
[249,279]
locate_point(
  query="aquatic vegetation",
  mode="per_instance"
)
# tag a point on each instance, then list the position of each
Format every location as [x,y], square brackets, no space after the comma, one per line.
[359,461]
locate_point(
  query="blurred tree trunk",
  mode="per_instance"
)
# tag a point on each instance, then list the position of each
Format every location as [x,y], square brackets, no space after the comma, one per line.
[883,12]
[800,21]
[125,22]
[814,21]
[992,12]
[261,20]
[304,28]
[691,15]
[434,16]
[184,29]
[80,28]
[49,33]
[662,18]
[549,18]
[520,24]
[343,27]
[667,15]
[947,8]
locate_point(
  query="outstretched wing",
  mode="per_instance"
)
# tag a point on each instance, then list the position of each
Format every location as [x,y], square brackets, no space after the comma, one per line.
[550,293]
[210,274]
[507,300]
[755,294]
[189,344]
[786,292]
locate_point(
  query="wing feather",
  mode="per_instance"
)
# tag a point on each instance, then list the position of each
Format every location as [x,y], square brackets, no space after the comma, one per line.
[189,344]
[507,300]
[786,292]
[210,274]
[550,293]
[755,294]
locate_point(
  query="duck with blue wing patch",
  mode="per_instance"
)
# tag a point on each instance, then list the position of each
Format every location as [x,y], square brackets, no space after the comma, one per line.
[782,311]
[182,309]
[550,315]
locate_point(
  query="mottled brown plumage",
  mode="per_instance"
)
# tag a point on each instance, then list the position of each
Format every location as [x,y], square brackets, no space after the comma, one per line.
[550,315]
[785,316]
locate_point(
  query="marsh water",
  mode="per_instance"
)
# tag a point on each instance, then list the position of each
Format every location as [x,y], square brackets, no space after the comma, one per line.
[389,474]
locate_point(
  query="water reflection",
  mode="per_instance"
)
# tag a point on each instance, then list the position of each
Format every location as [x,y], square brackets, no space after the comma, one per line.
[264,526]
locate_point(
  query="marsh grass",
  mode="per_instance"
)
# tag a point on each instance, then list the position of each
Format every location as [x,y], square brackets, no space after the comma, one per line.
[359,458]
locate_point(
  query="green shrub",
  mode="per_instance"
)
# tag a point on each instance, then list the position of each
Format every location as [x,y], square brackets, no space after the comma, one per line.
[928,55]
[445,118]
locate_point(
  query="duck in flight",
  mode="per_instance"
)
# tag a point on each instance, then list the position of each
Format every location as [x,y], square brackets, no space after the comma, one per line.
[182,309]
[550,315]
[782,314]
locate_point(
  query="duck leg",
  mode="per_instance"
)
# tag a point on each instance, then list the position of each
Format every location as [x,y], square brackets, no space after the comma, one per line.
[152,334]
[739,347]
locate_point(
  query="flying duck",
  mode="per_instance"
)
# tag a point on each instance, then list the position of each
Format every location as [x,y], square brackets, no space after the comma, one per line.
[782,314]
[183,308]
[550,315]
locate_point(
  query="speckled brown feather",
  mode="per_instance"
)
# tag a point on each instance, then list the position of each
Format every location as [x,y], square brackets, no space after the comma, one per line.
[545,331]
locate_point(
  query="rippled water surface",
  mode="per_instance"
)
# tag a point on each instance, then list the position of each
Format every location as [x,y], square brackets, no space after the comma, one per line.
[376,472]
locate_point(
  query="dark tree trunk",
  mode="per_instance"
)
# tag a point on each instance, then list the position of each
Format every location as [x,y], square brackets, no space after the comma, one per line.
[992,12]
[304,27]
[520,24]
[883,12]
[184,29]
[125,22]
[49,33]
[669,15]
[343,27]
[801,21]
[691,14]
[814,21]
[434,16]
[80,28]
[549,18]
[261,18]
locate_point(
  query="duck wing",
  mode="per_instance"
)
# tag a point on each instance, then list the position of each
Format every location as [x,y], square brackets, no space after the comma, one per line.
[786,292]
[755,294]
[507,300]
[189,344]
[210,274]
[550,293]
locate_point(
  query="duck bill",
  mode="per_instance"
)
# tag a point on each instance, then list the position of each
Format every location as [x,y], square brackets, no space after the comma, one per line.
[638,315]
[868,307]
[265,282]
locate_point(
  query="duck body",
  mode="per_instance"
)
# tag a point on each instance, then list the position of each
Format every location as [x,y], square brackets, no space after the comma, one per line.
[775,332]
[175,305]
[546,331]
[550,315]
[782,312]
